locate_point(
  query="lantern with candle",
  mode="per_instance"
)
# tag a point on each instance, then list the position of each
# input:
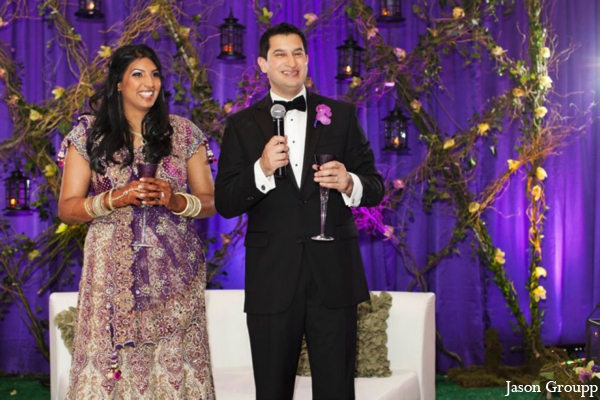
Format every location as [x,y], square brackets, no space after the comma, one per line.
[390,11]
[231,39]
[90,9]
[349,60]
[395,131]
[16,188]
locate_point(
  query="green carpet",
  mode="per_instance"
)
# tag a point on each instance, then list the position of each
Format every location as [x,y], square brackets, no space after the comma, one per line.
[25,388]
[447,390]
[22,388]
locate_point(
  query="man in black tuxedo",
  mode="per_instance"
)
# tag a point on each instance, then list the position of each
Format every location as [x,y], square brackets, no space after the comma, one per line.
[295,285]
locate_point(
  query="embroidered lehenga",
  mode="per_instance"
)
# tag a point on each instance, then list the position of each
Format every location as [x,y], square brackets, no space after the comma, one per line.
[141,323]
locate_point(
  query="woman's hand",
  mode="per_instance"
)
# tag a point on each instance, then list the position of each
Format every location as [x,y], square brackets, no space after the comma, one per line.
[156,192]
[127,195]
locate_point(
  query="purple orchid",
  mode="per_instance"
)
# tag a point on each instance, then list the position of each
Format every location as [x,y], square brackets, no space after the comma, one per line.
[323,115]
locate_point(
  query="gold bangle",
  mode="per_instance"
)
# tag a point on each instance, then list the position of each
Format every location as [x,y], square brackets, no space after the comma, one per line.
[110,200]
[187,204]
[88,208]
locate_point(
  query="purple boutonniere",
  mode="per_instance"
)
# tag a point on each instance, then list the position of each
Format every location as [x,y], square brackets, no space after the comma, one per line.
[323,115]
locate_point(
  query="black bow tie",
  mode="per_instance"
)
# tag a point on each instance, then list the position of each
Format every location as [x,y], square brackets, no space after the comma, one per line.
[299,103]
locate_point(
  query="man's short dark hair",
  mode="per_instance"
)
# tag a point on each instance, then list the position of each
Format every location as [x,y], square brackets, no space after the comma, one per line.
[280,29]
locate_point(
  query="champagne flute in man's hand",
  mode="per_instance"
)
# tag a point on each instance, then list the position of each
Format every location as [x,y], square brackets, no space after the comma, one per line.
[145,170]
[321,159]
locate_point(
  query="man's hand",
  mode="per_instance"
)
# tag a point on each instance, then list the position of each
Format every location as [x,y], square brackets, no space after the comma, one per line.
[333,175]
[275,155]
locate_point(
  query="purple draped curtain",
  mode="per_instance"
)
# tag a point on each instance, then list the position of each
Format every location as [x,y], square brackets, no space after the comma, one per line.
[467,300]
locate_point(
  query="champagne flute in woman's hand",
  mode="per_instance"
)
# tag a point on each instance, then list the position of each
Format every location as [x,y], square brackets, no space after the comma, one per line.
[145,170]
[321,159]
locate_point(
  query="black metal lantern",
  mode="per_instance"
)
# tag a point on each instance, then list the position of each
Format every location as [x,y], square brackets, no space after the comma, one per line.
[395,130]
[90,9]
[349,60]
[16,188]
[592,336]
[231,39]
[390,11]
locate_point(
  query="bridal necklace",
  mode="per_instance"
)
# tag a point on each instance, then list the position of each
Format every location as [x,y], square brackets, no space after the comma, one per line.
[140,136]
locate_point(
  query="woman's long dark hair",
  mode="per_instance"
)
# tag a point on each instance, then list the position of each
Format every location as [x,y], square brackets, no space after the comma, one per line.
[111,131]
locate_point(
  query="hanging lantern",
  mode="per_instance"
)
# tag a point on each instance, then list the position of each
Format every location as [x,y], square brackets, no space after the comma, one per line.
[390,11]
[349,60]
[231,39]
[592,336]
[395,131]
[16,188]
[90,9]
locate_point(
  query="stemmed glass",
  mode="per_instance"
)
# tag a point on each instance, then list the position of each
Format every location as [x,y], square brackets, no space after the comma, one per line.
[321,159]
[145,170]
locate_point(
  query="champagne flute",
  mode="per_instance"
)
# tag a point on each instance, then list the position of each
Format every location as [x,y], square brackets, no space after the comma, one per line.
[145,170]
[321,159]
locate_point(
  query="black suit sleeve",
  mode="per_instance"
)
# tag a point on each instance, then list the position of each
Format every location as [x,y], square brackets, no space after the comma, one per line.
[235,186]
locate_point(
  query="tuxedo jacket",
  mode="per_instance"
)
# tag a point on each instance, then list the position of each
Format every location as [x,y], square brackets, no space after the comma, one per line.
[282,221]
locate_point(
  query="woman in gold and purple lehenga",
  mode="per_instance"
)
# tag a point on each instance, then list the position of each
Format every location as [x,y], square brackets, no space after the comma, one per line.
[141,323]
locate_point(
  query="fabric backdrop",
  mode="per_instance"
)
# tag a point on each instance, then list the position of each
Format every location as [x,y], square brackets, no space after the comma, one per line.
[467,301]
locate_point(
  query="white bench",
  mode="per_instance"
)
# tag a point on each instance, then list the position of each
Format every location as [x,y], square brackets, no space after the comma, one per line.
[411,349]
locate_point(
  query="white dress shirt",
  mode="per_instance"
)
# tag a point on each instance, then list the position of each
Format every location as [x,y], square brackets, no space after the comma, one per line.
[295,130]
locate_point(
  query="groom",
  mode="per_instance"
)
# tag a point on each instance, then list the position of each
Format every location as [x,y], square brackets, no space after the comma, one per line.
[295,285]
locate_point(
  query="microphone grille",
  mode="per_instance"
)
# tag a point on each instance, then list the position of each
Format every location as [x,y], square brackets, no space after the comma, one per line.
[277,111]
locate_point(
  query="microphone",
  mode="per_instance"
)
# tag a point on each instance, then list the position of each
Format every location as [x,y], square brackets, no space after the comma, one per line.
[278,112]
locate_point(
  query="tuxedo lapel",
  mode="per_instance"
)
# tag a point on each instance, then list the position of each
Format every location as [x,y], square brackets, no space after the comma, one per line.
[265,121]
[312,138]
[263,116]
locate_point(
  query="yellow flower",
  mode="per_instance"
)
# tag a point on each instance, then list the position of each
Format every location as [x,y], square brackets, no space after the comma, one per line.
[540,271]
[539,293]
[33,254]
[310,18]
[483,128]
[512,164]
[434,32]
[546,82]
[153,9]
[184,31]
[448,143]
[474,207]
[518,92]
[225,238]
[62,227]
[499,257]
[192,62]
[541,112]
[227,107]
[355,82]
[415,105]
[2,73]
[458,12]
[545,52]
[105,51]
[58,92]
[400,53]
[34,115]
[536,192]
[50,170]
[540,173]
[497,51]
[388,232]
[266,13]
[372,33]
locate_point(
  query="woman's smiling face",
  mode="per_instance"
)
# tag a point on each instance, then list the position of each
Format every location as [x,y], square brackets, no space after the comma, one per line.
[140,86]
